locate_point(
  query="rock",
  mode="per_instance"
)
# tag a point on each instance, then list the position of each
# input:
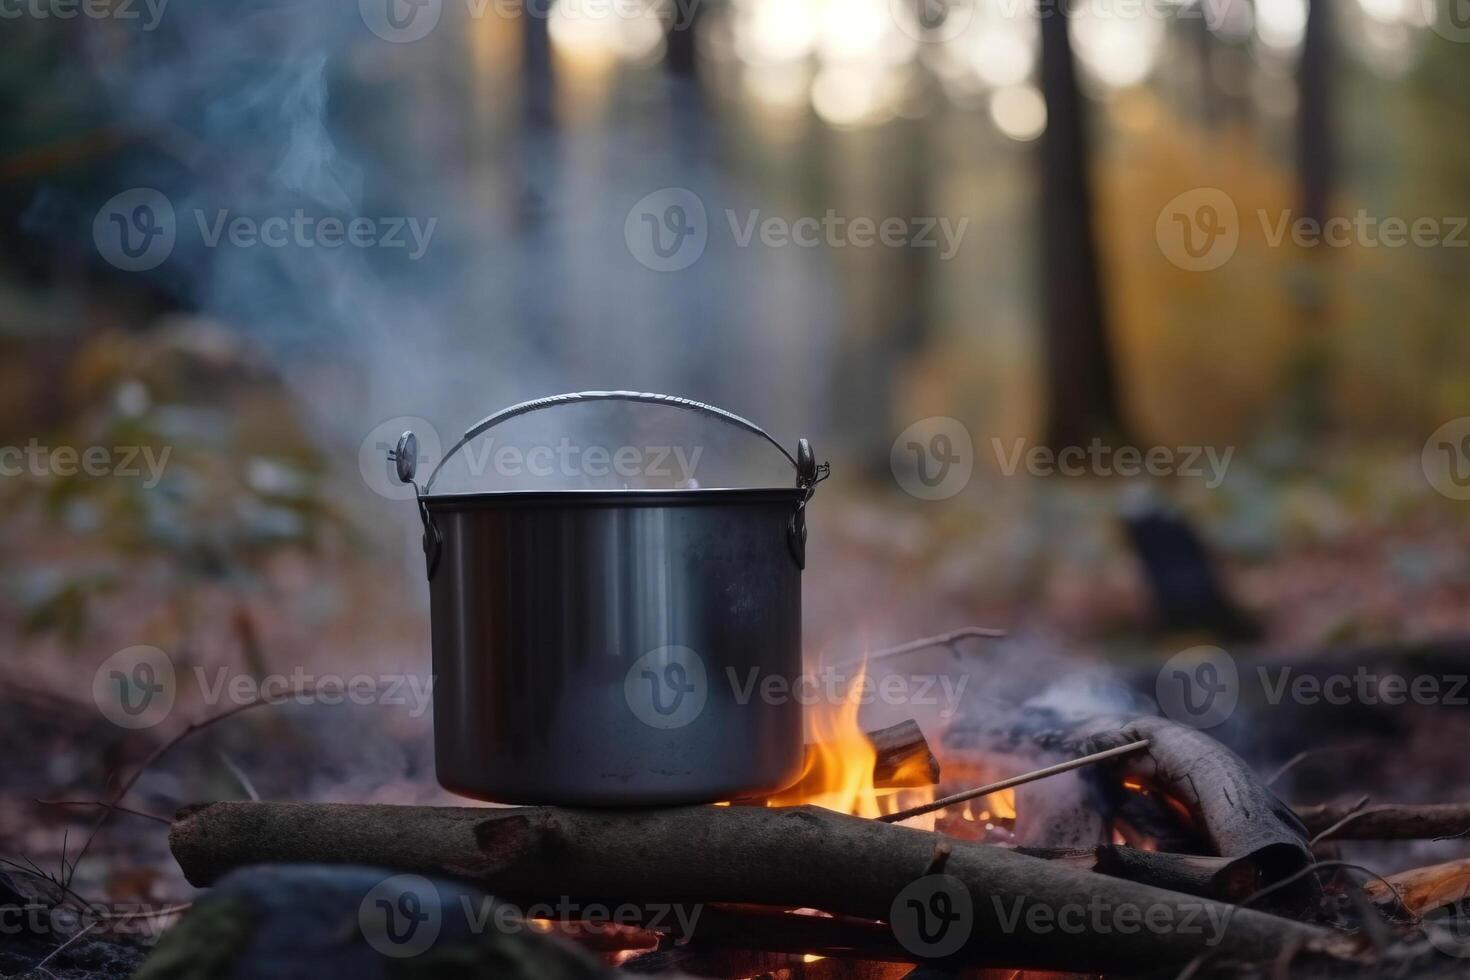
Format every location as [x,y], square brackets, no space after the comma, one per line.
[319,922]
[32,931]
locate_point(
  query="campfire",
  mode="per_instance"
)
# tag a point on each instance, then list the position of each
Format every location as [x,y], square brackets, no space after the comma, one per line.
[1012,837]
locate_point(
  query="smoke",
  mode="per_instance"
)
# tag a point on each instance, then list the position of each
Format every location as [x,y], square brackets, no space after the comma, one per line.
[282,122]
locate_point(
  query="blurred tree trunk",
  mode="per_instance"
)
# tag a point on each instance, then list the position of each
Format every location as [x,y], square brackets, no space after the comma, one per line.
[1081,396]
[681,54]
[1314,113]
[536,76]
[1315,160]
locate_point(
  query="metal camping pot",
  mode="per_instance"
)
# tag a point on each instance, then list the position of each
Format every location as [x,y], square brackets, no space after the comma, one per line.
[598,647]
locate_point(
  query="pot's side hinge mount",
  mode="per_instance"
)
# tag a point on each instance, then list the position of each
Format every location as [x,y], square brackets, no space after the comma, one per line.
[808,474]
[405,459]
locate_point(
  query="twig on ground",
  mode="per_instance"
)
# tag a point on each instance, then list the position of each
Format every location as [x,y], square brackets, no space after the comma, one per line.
[940,640]
[52,955]
[120,809]
[1353,813]
[1199,961]
[162,749]
[240,777]
[1303,756]
[1386,821]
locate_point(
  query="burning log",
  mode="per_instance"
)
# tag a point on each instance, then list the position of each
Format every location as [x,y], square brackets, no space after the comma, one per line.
[902,760]
[799,857]
[1192,874]
[1220,794]
[1386,821]
[904,757]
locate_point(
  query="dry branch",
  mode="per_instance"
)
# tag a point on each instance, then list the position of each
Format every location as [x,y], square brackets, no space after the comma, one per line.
[1423,890]
[800,857]
[1387,821]
[1226,879]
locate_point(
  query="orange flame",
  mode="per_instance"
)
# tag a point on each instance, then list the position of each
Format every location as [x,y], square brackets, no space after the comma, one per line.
[839,764]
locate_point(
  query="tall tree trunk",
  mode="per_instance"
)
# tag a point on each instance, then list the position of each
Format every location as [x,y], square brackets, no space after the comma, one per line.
[681,54]
[536,75]
[1081,396]
[1315,175]
[1314,146]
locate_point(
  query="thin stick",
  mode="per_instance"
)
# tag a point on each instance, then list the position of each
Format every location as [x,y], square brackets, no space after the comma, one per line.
[119,809]
[52,955]
[1354,813]
[1028,777]
[941,640]
[1301,757]
[110,805]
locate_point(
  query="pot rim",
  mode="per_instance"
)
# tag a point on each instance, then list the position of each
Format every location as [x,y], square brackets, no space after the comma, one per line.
[641,497]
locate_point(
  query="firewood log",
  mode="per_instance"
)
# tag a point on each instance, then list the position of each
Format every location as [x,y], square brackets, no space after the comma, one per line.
[1424,889]
[799,857]
[1386,821]
[1233,809]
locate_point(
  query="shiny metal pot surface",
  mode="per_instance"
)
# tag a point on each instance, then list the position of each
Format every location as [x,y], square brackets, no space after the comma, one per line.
[614,647]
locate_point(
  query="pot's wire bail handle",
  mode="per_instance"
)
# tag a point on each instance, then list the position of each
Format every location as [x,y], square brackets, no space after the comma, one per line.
[405,458]
[808,472]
